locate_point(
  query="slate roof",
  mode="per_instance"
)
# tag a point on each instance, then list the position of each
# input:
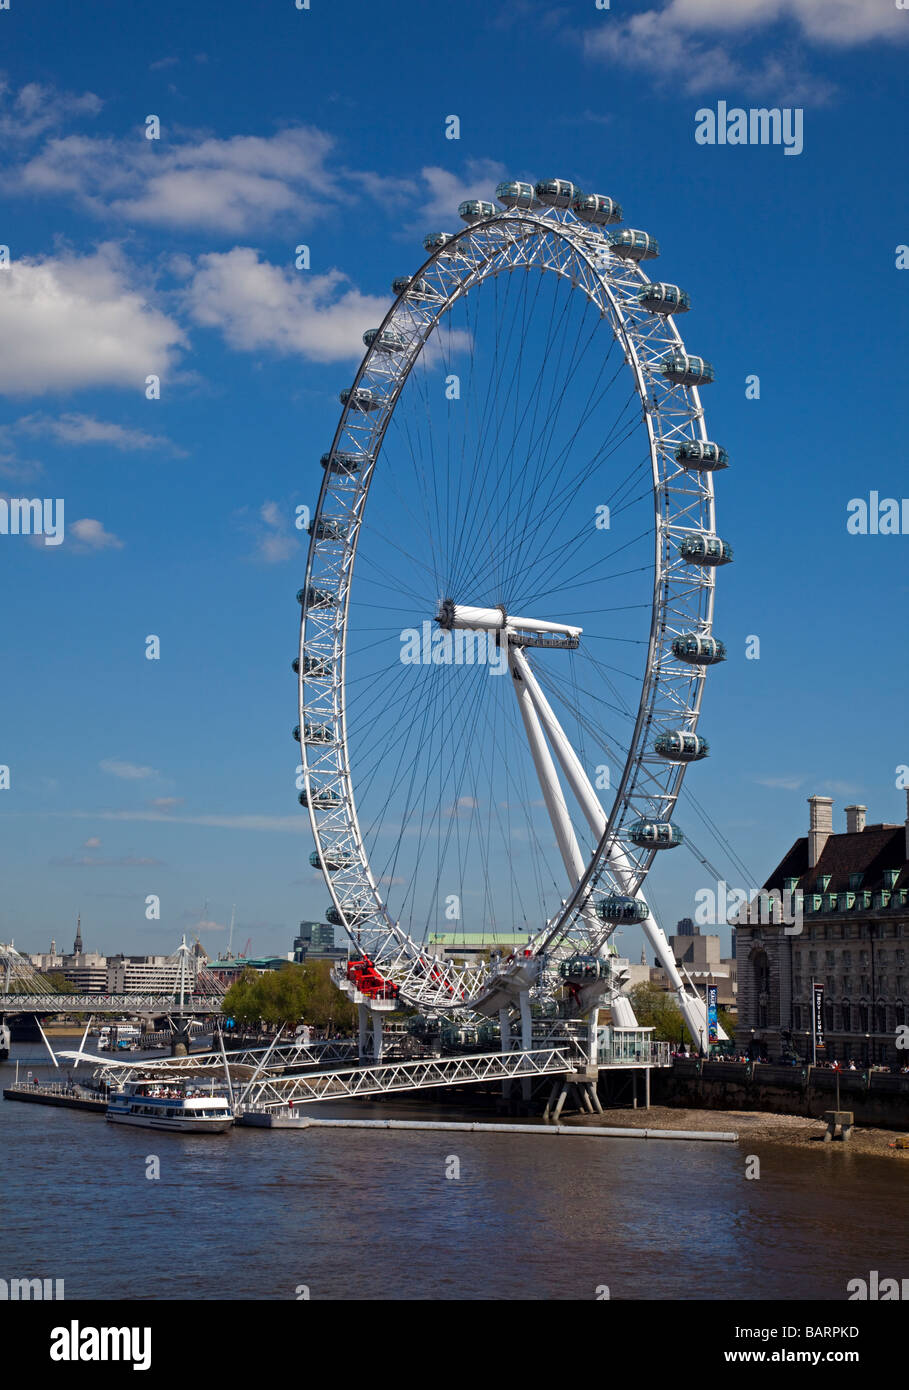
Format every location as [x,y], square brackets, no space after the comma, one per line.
[869,852]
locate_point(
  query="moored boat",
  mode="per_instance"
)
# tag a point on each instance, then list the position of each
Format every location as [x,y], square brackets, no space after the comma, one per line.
[170,1104]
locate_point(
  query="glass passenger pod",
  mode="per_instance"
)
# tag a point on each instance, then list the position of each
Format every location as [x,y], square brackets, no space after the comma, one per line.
[596,208]
[705,550]
[344,463]
[318,733]
[436,240]
[661,298]
[328,530]
[334,860]
[385,340]
[319,801]
[360,398]
[312,666]
[680,746]
[513,194]
[683,369]
[655,834]
[476,210]
[616,908]
[317,598]
[354,915]
[409,284]
[701,456]
[632,245]
[556,193]
[697,650]
[584,968]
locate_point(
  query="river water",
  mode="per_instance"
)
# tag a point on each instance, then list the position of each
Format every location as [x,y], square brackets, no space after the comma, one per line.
[353,1214]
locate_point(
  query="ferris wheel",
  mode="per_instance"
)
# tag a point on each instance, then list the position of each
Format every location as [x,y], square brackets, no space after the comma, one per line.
[507,612]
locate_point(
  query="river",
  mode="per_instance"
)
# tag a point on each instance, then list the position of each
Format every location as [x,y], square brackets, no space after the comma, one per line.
[353,1214]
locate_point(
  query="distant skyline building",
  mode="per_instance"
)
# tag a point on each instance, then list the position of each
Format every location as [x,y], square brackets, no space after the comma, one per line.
[686,927]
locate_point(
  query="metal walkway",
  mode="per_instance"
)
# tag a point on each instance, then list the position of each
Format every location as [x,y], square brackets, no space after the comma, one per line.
[279,1092]
[108,1004]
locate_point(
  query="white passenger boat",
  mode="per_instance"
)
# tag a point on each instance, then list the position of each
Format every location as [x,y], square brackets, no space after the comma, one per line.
[170,1104]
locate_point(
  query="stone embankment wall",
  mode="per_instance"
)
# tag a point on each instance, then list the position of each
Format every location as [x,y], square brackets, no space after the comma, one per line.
[876,1098]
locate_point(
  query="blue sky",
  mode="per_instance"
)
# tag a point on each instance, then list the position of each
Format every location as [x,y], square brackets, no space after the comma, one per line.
[176,257]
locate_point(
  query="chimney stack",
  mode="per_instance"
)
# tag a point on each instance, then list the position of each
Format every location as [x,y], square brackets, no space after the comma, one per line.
[820,826]
[855,819]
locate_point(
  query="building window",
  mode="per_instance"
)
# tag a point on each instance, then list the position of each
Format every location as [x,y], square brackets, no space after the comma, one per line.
[890,877]
[831,958]
[828,1015]
[881,1020]
[862,1016]
[899,1013]
[855,880]
[797,1015]
[847,1015]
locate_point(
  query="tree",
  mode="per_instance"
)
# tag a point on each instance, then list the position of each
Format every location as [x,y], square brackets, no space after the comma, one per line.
[59,983]
[287,996]
[655,1008]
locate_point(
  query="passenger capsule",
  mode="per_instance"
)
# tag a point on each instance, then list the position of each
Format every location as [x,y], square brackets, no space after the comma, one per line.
[595,208]
[297,732]
[616,908]
[705,550]
[661,298]
[334,860]
[697,650]
[556,193]
[655,834]
[319,800]
[354,915]
[436,240]
[317,598]
[701,456]
[475,210]
[584,968]
[360,398]
[340,462]
[313,666]
[327,529]
[632,245]
[683,369]
[318,733]
[516,195]
[679,746]
[295,666]
[409,284]
[385,340]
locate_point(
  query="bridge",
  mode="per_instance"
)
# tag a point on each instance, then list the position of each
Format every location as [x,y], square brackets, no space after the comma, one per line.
[279,1093]
[120,1004]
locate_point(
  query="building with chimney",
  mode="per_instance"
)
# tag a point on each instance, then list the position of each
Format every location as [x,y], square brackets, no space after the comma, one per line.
[851,891]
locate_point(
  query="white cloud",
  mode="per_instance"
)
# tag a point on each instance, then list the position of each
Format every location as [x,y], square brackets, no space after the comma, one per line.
[92,843]
[258,305]
[131,772]
[278,542]
[35,109]
[788,784]
[74,321]
[446,190]
[297,823]
[91,535]
[227,186]
[823,21]
[649,43]
[74,428]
